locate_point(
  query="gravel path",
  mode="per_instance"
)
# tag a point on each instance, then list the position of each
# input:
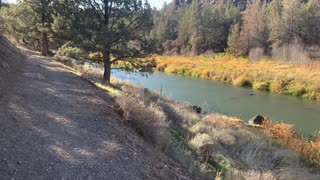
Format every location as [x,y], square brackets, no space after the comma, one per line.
[54,125]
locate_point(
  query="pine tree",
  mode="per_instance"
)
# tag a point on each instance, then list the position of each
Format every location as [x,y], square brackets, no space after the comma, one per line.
[233,46]
[188,26]
[43,10]
[165,23]
[310,26]
[291,20]
[117,29]
[275,21]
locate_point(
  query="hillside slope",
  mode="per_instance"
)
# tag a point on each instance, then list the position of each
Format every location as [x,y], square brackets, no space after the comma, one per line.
[55,125]
[10,63]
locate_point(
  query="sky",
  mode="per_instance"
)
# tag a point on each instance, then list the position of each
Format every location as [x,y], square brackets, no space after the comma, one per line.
[158,3]
[154,3]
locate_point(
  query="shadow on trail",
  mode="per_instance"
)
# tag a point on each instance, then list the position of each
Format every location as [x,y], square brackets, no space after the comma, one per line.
[61,127]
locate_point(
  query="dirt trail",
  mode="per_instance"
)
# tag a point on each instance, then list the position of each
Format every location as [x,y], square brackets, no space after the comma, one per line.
[54,125]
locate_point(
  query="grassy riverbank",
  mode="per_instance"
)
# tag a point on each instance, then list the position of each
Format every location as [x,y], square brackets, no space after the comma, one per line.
[266,75]
[213,145]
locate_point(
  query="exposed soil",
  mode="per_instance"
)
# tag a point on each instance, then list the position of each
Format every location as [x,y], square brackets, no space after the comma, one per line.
[55,125]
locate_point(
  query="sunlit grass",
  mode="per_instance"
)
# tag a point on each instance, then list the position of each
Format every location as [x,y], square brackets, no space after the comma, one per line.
[288,136]
[266,75]
[214,144]
[90,73]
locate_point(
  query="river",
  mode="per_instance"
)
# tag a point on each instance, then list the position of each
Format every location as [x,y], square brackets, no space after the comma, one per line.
[232,101]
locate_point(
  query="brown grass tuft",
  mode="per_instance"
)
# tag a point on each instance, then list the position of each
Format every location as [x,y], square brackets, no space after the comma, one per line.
[288,136]
[147,118]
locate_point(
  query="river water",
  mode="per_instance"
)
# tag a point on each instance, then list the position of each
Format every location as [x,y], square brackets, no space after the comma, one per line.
[232,101]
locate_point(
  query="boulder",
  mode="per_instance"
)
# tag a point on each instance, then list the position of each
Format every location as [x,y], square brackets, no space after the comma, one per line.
[197,109]
[257,120]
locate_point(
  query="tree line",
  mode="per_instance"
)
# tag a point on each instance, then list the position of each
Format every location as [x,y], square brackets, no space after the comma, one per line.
[237,27]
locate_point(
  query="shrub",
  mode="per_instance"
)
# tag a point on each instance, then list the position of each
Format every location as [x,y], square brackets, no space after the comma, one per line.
[96,57]
[242,81]
[296,89]
[69,51]
[148,119]
[314,52]
[65,60]
[278,86]
[261,86]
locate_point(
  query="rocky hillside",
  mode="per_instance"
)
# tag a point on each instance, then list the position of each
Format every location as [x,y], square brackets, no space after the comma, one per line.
[10,63]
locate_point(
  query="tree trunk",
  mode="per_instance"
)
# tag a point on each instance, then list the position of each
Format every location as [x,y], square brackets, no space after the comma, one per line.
[107,66]
[44,44]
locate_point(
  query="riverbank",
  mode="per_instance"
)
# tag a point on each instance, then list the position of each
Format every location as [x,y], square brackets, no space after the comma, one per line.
[266,75]
[214,145]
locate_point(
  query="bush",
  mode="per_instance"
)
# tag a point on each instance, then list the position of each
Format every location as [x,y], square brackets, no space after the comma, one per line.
[261,86]
[148,119]
[296,89]
[278,86]
[69,51]
[96,57]
[242,81]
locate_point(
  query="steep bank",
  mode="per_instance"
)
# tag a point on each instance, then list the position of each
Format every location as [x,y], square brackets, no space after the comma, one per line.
[10,63]
[266,75]
[215,144]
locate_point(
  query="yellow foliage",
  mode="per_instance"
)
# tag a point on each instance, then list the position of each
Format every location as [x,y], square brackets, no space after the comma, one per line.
[288,136]
[266,75]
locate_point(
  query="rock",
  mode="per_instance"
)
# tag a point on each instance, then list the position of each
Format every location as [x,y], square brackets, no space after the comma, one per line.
[19,162]
[257,120]
[197,109]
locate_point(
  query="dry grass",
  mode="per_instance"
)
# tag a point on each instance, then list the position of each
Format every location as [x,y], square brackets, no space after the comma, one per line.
[302,79]
[218,146]
[287,135]
[222,144]
[147,113]
[88,72]
[148,119]
[243,152]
